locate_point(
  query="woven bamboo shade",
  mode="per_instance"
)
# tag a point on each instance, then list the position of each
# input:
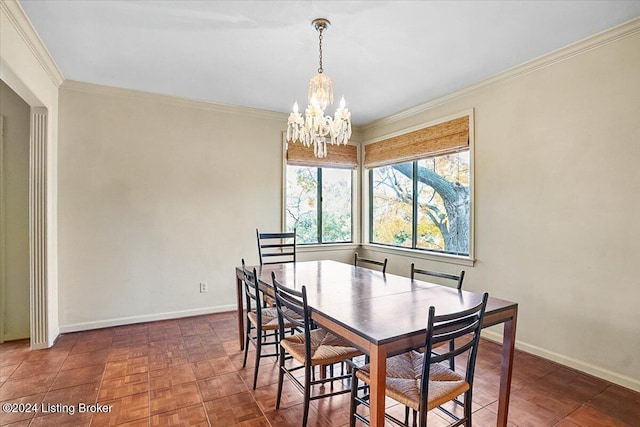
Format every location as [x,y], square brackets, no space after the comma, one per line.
[338,156]
[443,138]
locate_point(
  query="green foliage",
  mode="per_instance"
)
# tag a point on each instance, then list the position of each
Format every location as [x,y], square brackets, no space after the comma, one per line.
[302,204]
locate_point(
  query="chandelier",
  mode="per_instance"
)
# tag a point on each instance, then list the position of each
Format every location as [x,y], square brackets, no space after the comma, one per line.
[316,128]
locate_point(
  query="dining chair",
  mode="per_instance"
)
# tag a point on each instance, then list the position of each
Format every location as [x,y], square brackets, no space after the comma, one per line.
[357,261]
[419,380]
[276,248]
[457,278]
[262,320]
[313,347]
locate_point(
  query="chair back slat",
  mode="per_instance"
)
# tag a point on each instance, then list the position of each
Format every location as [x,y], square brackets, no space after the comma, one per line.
[296,302]
[453,328]
[359,260]
[454,331]
[437,358]
[458,278]
[277,247]
[290,301]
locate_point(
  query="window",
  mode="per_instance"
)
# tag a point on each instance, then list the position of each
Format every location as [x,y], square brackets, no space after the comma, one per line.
[420,189]
[319,193]
[319,204]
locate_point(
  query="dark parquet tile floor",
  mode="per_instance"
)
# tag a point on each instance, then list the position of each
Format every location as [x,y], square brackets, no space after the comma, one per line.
[188,372]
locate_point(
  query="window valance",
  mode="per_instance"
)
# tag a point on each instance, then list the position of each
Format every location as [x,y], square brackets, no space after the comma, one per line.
[444,138]
[338,156]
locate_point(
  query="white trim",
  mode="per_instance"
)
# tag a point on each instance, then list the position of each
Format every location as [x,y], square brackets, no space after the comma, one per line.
[53,336]
[19,19]
[472,190]
[107,323]
[38,225]
[595,41]
[17,85]
[614,377]
[97,89]
[416,253]
[326,247]
[283,186]
[3,227]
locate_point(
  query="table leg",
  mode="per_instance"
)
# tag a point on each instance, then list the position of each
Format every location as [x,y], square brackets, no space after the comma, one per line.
[508,350]
[378,364]
[240,312]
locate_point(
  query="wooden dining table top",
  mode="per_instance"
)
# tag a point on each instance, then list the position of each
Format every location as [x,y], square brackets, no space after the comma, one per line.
[381,308]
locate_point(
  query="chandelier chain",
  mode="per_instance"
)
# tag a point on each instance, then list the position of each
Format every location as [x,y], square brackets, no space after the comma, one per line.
[320,70]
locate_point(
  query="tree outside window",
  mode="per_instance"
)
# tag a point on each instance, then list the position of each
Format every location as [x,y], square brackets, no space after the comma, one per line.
[424,204]
[318,204]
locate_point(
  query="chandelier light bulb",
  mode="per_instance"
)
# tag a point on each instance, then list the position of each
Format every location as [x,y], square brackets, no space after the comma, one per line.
[295,107]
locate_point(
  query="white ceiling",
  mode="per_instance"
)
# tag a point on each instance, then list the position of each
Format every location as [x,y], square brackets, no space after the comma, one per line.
[383,56]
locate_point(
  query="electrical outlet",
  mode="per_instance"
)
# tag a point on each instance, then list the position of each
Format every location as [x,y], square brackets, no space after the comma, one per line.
[203,287]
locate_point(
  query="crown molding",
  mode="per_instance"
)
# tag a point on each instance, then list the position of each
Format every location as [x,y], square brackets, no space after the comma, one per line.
[595,41]
[19,19]
[170,99]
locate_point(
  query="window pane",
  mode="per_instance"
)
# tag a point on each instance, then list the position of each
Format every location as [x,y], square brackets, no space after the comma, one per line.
[336,205]
[302,203]
[443,203]
[392,205]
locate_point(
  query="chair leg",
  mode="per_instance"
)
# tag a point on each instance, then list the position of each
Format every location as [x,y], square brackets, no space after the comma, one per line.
[280,377]
[467,409]
[255,369]
[331,374]
[246,343]
[307,393]
[354,394]
[406,415]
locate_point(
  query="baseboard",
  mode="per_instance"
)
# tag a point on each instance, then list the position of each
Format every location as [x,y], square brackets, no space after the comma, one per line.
[15,337]
[53,337]
[596,371]
[77,327]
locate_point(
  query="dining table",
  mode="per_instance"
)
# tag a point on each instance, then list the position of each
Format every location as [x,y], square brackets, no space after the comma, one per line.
[382,315]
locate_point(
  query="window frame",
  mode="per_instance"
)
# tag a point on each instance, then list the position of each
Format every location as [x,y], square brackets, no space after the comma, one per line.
[354,203]
[428,254]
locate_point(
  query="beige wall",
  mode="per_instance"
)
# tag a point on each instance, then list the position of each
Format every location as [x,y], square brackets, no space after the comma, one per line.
[556,205]
[157,194]
[14,215]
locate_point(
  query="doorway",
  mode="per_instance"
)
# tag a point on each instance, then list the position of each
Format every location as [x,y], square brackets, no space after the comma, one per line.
[15,119]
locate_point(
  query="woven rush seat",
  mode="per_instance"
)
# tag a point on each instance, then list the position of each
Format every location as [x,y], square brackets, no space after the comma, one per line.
[404,373]
[269,319]
[326,348]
